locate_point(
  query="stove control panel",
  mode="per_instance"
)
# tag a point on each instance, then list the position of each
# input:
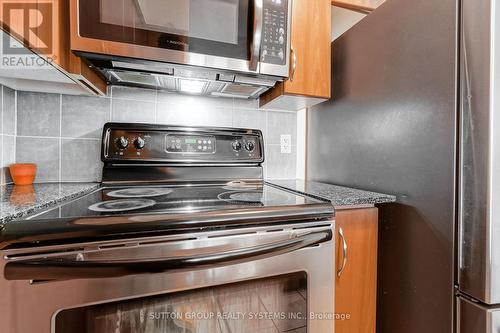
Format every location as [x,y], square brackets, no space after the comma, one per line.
[174,144]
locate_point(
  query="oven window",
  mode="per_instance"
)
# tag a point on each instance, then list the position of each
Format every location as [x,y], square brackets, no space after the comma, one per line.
[215,27]
[271,305]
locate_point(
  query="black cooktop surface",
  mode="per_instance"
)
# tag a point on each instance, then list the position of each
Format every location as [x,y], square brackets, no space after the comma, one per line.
[157,199]
[136,211]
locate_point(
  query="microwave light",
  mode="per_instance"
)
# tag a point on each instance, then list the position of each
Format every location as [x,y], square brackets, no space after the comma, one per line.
[192,86]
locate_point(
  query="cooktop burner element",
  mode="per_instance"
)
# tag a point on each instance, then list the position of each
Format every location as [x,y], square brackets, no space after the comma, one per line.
[121,205]
[139,192]
[247,198]
[256,197]
[240,185]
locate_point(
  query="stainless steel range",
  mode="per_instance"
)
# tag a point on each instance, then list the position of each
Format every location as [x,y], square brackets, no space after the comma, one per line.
[183,236]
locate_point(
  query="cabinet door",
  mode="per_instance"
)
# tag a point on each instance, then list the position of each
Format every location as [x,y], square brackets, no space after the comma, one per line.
[43,28]
[36,24]
[356,287]
[311,31]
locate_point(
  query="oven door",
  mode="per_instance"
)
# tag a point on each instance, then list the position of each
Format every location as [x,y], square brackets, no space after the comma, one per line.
[248,280]
[248,36]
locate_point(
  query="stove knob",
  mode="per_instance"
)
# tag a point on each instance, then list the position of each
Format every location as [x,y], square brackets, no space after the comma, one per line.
[122,142]
[139,143]
[236,145]
[250,146]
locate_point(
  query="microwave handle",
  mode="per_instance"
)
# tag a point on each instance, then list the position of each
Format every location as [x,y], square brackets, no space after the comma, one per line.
[76,267]
[258,21]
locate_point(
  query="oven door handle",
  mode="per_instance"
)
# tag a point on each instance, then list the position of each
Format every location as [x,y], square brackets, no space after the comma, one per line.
[258,21]
[76,267]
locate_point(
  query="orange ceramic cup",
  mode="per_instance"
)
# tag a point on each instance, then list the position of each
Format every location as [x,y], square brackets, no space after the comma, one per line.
[23,173]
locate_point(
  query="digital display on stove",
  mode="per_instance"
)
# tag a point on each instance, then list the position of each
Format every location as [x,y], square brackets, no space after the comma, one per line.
[200,144]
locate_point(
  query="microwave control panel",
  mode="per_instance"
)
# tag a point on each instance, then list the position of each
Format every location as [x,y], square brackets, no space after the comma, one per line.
[274,33]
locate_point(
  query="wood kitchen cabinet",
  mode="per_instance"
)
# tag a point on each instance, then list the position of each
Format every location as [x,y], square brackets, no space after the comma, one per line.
[43,27]
[310,59]
[356,280]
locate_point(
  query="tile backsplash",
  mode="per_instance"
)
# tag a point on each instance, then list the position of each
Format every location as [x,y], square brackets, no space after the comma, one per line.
[7,132]
[62,133]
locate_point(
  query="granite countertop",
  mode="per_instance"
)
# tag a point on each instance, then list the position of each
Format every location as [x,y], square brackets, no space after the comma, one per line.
[338,195]
[20,201]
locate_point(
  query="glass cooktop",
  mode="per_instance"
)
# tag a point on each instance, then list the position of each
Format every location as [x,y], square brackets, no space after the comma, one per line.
[123,200]
[140,211]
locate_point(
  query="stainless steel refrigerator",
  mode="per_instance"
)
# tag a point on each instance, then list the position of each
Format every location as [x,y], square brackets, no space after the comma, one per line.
[415,112]
[479,177]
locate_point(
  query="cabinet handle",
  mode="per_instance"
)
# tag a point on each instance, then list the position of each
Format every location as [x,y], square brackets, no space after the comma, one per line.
[294,63]
[344,252]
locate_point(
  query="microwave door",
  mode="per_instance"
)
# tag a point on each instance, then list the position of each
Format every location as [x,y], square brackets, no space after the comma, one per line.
[153,18]
[212,20]
[221,34]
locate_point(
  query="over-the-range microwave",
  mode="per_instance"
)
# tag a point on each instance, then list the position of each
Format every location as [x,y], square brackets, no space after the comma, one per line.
[237,48]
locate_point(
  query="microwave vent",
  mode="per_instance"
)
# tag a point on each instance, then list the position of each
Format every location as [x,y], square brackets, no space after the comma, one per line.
[190,82]
[197,74]
[151,67]
[240,89]
[167,82]
[214,87]
[134,78]
[226,77]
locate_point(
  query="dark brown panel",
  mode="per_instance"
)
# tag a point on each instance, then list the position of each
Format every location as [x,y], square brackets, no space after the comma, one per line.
[390,127]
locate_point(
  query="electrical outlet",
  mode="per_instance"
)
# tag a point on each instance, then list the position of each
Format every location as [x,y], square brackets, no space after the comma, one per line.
[286,143]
